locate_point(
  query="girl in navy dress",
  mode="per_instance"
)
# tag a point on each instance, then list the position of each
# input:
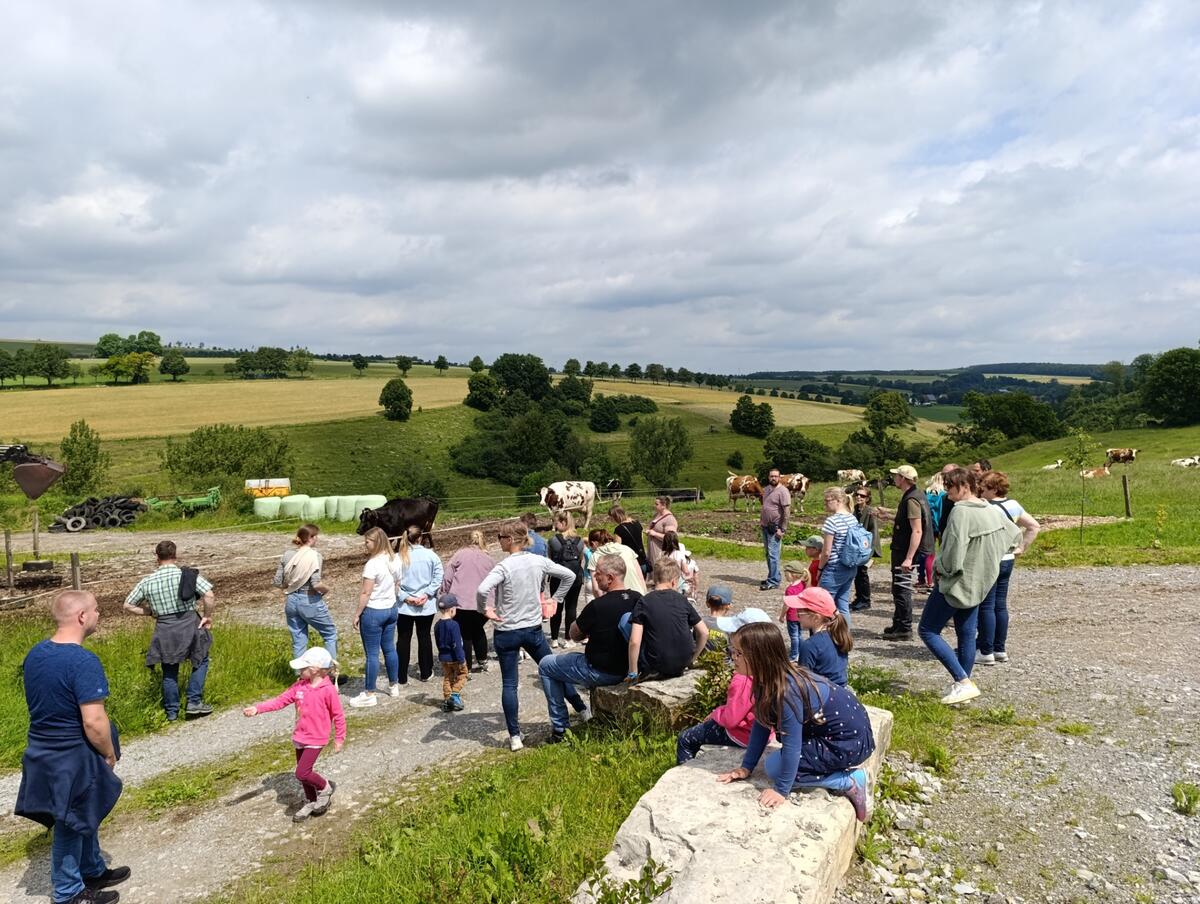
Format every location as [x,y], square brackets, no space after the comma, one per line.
[825,731]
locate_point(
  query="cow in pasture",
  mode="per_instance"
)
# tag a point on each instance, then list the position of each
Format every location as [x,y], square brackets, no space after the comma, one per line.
[570,496]
[1120,456]
[797,485]
[1193,462]
[613,490]
[743,487]
[851,475]
[1058,463]
[1089,473]
[394,518]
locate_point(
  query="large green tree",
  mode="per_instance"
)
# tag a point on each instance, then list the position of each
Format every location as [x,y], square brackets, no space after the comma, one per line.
[526,373]
[483,392]
[750,419]
[887,409]
[396,399]
[476,364]
[50,362]
[359,363]
[1171,387]
[404,363]
[173,364]
[441,365]
[1011,413]
[659,448]
[792,452]
[110,344]
[86,464]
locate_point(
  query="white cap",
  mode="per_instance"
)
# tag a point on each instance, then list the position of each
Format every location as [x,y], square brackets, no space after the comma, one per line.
[313,658]
[730,623]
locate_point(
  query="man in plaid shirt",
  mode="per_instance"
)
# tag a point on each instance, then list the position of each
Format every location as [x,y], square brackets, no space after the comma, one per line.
[181,629]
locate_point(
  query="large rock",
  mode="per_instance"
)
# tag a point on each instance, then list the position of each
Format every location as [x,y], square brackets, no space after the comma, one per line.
[663,703]
[719,845]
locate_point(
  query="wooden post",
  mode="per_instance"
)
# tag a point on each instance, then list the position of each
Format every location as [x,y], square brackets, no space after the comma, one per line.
[8,562]
[76,581]
[1125,488]
[36,554]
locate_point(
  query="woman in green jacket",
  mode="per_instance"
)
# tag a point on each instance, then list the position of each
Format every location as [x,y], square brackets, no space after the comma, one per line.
[975,539]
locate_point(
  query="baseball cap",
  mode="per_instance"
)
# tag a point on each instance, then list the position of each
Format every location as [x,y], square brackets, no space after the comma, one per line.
[816,541]
[815,599]
[730,623]
[795,566]
[719,595]
[447,601]
[313,658]
[908,472]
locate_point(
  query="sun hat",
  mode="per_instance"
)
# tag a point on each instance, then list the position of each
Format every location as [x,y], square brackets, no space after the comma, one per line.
[719,595]
[815,599]
[908,472]
[795,566]
[730,623]
[313,658]
[447,601]
[816,541]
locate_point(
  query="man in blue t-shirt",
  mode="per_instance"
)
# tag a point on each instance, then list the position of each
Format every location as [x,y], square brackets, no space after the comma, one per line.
[67,778]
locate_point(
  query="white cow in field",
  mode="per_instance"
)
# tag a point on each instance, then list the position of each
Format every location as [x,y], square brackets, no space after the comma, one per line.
[852,475]
[1193,462]
[570,496]
[1058,463]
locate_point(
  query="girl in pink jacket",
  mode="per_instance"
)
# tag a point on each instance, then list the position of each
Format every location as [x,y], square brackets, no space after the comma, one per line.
[317,707]
[728,725]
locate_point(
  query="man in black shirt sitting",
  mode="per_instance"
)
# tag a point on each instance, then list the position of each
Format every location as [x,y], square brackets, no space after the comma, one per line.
[667,633]
[603,660]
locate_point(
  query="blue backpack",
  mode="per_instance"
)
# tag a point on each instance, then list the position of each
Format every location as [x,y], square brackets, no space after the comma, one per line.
[857,548]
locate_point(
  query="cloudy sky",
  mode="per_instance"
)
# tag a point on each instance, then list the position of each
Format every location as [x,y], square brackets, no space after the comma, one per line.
[724,186]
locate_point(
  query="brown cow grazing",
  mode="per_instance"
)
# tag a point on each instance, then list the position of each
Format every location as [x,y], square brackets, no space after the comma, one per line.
[797,485]
[743,487]
[1089,473]
[1119,456]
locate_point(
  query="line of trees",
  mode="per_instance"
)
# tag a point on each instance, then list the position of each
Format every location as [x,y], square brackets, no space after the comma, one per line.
[654,373]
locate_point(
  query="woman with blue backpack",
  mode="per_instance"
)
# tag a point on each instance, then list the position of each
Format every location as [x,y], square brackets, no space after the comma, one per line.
[847,545]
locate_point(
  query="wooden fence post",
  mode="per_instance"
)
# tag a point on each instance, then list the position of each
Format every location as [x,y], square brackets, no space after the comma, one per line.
[1125,488]
[76,580]
[36,554]
[8,558]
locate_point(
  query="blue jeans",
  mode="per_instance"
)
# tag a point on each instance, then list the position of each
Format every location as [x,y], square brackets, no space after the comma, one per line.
[304,611]
[170,686]
[74,856]
[562,674]
[771,544]
[838,579]
[692,739]
[795,637]
[937,614]
[993,613]
[838,782]
[508,645]
[377,627]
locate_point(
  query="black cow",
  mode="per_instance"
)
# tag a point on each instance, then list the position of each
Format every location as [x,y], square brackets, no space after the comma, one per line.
[683,495]
[613,489]
[398,515]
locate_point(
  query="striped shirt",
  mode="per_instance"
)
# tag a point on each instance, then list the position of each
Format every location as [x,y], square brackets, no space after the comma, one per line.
[161,591]
[838,525]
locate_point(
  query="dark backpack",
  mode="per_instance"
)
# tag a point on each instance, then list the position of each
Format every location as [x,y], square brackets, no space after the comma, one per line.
[187,584]
[570,549]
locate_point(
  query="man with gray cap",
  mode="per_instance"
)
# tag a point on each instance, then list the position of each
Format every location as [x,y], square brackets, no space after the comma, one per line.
[912,535]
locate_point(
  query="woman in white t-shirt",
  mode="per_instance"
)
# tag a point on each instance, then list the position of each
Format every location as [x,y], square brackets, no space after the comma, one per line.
[992,637]
[837,578]
[377,614]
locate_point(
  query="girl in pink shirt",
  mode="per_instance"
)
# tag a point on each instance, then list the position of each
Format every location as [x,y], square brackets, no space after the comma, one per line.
[728,725]
[318,706]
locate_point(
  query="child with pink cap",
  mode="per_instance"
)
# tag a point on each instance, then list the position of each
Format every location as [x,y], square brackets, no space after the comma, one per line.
[827,649]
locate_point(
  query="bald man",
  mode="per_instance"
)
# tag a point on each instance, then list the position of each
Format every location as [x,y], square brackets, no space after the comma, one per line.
[67,779]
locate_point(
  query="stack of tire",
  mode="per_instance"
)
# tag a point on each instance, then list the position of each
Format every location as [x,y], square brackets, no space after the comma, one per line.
[93,513]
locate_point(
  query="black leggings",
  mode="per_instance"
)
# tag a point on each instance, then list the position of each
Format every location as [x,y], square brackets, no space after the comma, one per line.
[471,623]
[404,632]
[570,604]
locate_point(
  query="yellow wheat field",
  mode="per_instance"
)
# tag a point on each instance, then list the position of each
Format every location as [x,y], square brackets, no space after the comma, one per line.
[165,409]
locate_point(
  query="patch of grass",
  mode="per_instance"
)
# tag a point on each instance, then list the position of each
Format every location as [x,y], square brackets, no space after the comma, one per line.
[528,828]
[996,715]
[248,661]
[992,858]
[921,723]
[1185,797]
[703,548]
[1074,729]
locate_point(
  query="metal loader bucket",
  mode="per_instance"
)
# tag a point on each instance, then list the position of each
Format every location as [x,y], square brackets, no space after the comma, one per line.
[34,478]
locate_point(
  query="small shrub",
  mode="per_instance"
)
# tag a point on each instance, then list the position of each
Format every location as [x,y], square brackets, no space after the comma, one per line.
[1076,729]
[87,465]
[416,478]
[645,888]
[999,715]
[226,455]
[938,759]
[1185,797]
[396,399]
[735,459]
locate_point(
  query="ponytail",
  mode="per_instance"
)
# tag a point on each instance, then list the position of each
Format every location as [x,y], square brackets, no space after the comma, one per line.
[839,633]
[404,548]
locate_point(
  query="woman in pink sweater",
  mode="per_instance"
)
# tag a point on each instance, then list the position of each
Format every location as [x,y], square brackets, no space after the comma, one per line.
[728,725]
[462,576]
[318,707]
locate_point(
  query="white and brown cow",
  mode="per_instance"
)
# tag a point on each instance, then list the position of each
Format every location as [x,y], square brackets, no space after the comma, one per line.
[797,485]
[1089,473]
[1192,462]
[1120,456]
[851,475]
[743,487]
[1058,463]
[570,496]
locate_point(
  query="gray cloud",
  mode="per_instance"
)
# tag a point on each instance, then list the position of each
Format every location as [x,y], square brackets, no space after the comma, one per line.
[726,187]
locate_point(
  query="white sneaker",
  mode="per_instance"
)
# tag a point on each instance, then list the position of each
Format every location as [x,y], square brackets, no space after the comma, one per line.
[524,655]
[961,692]
[1001,656]
[515,743]
[304,812]
[986,658]
[363,699]
[585,715]
[394,690]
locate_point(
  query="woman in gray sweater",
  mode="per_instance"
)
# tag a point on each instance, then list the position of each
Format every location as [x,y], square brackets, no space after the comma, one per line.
[517,613]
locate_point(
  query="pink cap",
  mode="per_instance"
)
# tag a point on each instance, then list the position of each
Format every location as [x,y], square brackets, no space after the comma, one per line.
[815,599]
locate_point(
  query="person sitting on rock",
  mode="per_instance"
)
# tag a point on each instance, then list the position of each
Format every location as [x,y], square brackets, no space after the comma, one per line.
[671,628]
[729,724]
[825,731]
